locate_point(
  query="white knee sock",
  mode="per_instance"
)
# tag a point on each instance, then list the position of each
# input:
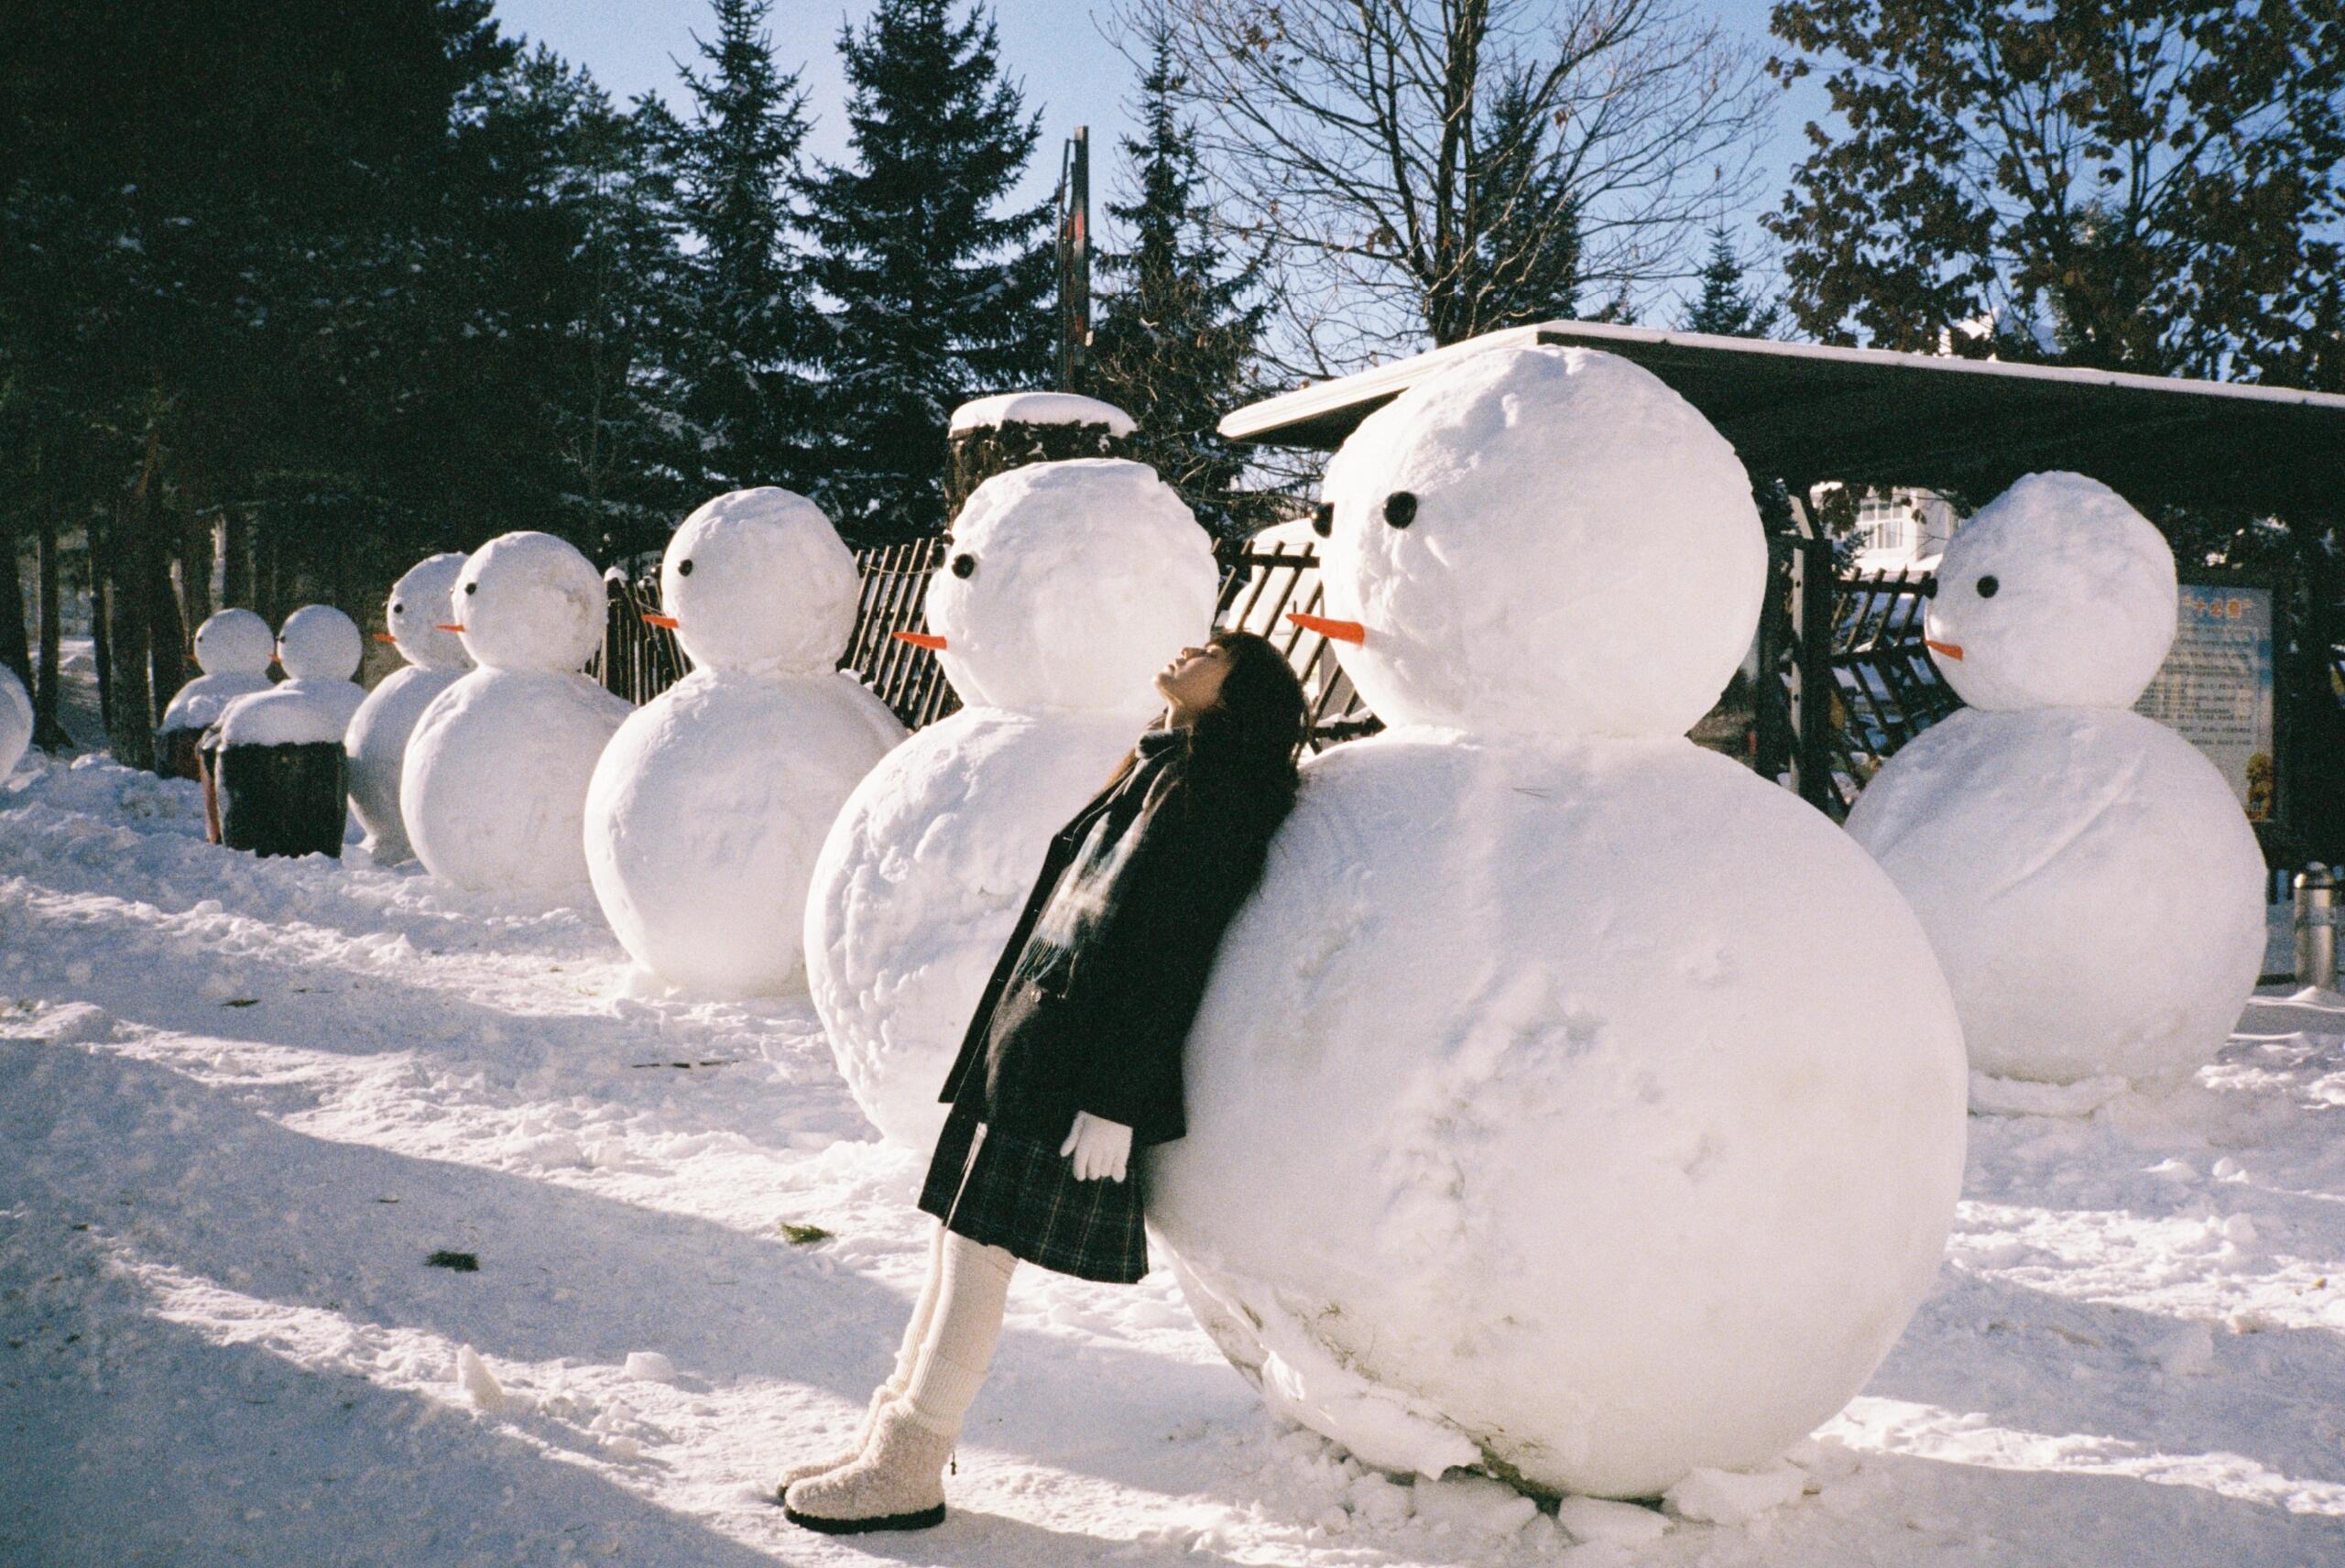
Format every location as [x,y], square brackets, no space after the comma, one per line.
[961,1340]
[923,1314]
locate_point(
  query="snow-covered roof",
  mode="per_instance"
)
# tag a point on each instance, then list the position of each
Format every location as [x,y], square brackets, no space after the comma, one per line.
[1804,413]
[1040,408]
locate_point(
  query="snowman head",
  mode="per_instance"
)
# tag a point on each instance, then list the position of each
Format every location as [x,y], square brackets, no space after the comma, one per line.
[233,642]
[318,642]
[418,605]
[2057,594]
[1067,585]
[528,601]
[1541,540]
[758,581]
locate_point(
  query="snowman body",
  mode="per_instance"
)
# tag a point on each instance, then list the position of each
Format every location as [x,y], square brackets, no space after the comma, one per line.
[493,786]
[2092,886]
[233,648]
[1540,1115]
[1065,586]
[378,732]
[709,806]
[15,721]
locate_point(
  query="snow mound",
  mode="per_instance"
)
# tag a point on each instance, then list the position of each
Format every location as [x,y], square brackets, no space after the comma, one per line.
[282,716]
[1734,1496]
[1040,408]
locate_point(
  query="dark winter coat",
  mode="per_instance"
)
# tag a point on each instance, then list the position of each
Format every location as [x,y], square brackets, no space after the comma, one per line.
[1092,1000]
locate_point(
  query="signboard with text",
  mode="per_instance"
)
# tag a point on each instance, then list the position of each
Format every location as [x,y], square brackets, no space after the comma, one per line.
[2215,687]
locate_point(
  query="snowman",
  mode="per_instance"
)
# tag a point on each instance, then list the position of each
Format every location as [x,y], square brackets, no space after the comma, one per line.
[709,806]
[377,736]
[15,721]
[1567,1100]
[493,788]
[1066,587]
[233,650]
[318,648]
[2091,882]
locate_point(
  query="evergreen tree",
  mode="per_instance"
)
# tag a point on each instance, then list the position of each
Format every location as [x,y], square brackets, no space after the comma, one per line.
[941,297]
[1176,343]
[1727,307]
[1529,240]
[749,332]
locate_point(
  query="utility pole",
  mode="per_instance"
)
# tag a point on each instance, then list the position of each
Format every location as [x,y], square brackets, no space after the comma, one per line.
[1074,258]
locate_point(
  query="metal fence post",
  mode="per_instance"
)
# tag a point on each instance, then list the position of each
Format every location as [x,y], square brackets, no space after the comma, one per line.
[2315,927]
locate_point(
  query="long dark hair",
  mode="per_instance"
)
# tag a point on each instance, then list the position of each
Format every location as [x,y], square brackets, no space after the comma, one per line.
[1242,749]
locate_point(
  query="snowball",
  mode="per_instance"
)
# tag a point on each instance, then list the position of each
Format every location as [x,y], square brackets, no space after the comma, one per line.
[1583,555]
[15,721]
[1068,584]
[1545,1090]
[2057,594]
[281,715]
[235,642]
[707,812]
[2093,889]
[319,642]
[528,601]
[375,741]
[920,879]
[1040,408]
[417,609]
[493,788]
[1729,1497]
[1081,579]
[758,580]
[650,1365]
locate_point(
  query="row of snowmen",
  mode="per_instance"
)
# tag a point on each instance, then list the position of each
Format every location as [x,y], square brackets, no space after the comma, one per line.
[1567,1099]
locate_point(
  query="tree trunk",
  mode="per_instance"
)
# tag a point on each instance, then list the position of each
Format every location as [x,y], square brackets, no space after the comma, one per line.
[130,568]
[167,633]
[99,537]
[195,576]
[49,733]
[236,557]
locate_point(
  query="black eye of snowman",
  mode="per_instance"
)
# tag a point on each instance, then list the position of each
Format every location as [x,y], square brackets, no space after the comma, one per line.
[472,587]
[965,565]
[1322,519]
[684,567]
[1401,508]
[1989,586]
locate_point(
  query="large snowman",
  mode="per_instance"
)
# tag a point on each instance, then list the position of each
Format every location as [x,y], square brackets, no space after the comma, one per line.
[233,648]
[493,785]
[378,732]
[1066,587]
[1567,1100]
[711,803]
[2091,884]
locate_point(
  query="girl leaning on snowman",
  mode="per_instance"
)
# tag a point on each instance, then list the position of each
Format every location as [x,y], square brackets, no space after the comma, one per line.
[1073,1057]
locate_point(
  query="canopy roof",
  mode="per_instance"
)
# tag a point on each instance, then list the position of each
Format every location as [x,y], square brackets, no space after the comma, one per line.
[1803,413]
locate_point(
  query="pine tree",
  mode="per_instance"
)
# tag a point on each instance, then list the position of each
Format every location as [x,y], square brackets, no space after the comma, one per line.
[750,333]
[1529,240]
[940,295]
[1726,307]
[1175,344]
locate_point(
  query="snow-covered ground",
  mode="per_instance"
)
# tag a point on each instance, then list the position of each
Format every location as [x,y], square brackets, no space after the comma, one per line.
[243,1103]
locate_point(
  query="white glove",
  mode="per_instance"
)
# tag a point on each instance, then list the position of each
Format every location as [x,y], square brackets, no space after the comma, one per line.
[1099,1148]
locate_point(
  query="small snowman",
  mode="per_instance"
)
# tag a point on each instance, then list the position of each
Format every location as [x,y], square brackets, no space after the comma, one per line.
[377,737]
[15,721]
[233,650]
[709,806]
[2093,889]
[1567,1100]
[493,788]
[1066,587]
[318,648]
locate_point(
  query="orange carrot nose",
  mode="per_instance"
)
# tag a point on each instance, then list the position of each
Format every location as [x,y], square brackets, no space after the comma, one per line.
[446,627]
[667,623]
[1951,650]
[1341,631]
[385,637]
[928,640]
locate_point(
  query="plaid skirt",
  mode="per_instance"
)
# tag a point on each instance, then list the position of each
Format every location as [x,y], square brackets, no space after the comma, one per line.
[1014,1192]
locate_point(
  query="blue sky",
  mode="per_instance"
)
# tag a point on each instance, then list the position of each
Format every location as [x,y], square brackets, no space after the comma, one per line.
[1058,49]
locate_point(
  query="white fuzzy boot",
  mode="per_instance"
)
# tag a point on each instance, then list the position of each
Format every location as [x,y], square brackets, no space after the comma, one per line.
[899,1380]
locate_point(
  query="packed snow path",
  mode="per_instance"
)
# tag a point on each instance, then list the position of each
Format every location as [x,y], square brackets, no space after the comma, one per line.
[245,1101]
